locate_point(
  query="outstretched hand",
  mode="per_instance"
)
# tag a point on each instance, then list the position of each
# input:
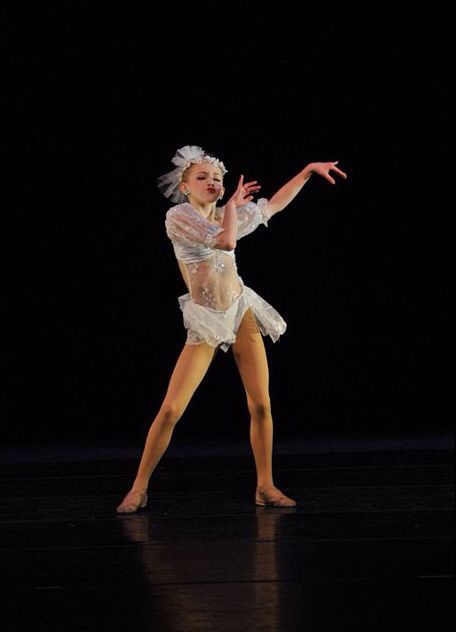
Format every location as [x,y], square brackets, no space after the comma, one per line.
[243,193]
[324,169]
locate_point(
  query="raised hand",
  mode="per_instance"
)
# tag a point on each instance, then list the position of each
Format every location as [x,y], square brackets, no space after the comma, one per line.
[243,193]
[323,169]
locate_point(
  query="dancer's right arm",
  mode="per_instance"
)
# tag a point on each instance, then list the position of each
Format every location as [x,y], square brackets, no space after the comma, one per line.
[186,226]
[242,196]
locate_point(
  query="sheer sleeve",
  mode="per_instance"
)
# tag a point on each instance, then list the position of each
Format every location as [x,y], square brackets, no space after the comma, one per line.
[251,216]
[186,226]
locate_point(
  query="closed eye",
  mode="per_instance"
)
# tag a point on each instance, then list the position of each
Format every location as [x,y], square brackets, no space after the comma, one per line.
[203,176]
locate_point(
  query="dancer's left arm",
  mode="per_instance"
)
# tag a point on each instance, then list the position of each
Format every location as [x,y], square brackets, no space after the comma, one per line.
[290,190]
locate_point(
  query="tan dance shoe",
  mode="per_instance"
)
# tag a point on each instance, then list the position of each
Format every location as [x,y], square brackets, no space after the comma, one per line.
[134,500]
[273,497]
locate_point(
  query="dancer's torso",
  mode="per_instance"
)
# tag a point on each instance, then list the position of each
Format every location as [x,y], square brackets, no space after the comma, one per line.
[213,282]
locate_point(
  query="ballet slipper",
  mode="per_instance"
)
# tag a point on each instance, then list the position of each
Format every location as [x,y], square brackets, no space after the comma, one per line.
[273,497]
[134,500]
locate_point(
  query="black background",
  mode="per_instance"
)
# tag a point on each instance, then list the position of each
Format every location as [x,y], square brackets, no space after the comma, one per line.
[98,97]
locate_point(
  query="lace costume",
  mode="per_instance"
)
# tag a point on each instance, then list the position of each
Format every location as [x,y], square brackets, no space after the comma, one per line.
[217,298]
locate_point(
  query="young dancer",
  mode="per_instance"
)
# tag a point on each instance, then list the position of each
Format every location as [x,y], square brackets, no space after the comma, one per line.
[219,311]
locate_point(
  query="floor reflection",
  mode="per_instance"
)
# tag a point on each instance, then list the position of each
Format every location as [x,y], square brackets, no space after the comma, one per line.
[205,582]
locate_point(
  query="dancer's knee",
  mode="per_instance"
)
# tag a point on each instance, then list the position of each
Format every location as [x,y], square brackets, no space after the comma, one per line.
[260,409]
[170,413]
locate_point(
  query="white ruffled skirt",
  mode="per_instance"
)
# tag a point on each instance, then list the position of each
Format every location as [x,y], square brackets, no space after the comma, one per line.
[219,328]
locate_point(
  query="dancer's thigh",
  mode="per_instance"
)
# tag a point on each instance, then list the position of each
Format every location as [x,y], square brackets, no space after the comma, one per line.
[191,367]
[250,356]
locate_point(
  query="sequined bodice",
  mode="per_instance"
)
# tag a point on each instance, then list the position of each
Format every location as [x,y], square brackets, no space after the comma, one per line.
[214,282]
[210,273]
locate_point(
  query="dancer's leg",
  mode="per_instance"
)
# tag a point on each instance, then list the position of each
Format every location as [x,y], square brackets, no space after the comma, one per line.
[250,355]
[251,360]
[188,373]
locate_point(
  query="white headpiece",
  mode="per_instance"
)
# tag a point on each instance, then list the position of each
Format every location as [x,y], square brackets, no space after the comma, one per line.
[183,158]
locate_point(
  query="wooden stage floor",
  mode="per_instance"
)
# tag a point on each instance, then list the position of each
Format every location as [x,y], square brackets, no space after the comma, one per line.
[368,548]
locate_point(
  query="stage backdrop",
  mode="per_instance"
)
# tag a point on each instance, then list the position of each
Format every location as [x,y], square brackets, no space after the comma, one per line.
[360,271]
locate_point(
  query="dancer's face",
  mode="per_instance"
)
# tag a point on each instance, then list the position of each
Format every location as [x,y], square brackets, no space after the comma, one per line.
[204,182]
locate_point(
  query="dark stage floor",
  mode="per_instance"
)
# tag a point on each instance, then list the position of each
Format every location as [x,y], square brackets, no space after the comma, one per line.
[369,547]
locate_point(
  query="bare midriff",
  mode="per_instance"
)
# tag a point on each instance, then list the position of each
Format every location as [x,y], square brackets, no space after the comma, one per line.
[214,282]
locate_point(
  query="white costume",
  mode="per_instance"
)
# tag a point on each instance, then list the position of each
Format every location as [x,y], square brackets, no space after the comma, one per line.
[217,298]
